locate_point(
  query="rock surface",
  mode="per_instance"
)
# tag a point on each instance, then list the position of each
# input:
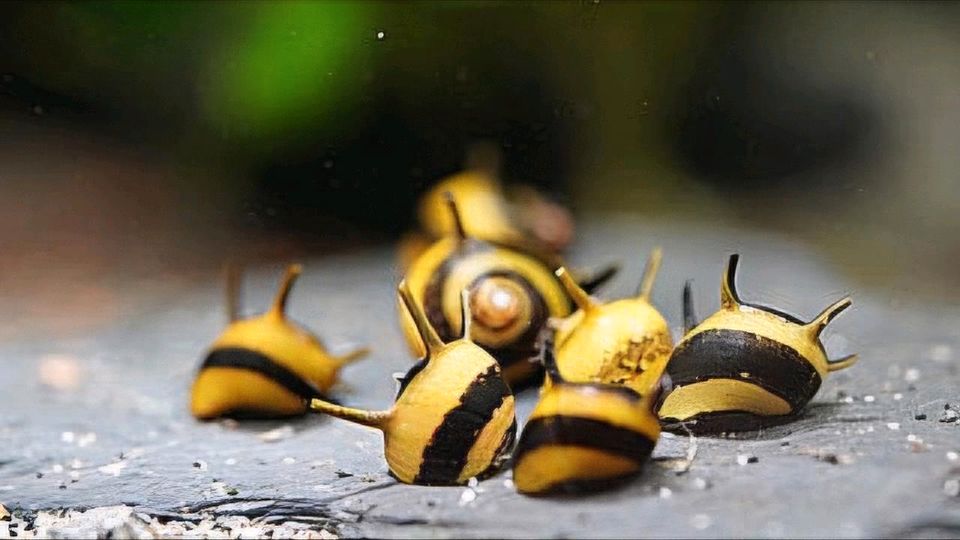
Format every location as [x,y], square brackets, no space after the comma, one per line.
[99,421]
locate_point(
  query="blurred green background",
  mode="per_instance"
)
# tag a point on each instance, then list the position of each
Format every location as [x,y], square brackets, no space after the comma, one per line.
[141,139]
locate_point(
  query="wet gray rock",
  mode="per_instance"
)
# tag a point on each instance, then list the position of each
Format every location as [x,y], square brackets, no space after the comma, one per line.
[868,458]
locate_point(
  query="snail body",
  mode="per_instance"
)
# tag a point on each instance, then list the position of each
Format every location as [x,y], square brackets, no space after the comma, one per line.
[512,295]
[626,341]
[265,365]
[583,436]
[453,418]
[746,366]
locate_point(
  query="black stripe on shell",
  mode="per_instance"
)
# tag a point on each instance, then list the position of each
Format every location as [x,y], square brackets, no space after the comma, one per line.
[446,454]
[239,358]
[503,453]
[411,373]
[584,486]
[714,422]
[509,438]
[748,357]
[623,391]
[586,433]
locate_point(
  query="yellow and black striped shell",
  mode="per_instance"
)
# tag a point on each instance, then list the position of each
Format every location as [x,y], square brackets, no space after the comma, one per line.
[512,295]
[746,366]
[483,210]
[584,437]
[264,366]
[626,341]
[482,203]
[516,215]
[453,418]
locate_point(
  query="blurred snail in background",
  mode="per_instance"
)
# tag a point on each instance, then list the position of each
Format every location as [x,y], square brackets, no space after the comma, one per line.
[516,215]
[584,436]
[264,365]
[625,341]
[512,295]
[746,366]
[453,418]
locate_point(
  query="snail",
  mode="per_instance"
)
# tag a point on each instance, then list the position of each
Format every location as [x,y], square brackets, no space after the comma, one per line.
[264,365]
[521,217]
[746,366]
[626,341]
[512,295]
[453,418]
[491,211]
[584,436]
[483,203]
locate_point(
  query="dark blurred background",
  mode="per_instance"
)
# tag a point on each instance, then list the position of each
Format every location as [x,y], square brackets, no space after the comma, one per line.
[146,142]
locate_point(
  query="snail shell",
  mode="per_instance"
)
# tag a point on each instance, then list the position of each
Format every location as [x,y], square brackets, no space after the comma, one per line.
[512,294]
[746,366]
[453,418]
[626,341]
[265,365]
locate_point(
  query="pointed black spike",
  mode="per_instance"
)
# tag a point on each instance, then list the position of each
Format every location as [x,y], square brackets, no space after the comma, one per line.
[549,361]
[689,315]
[455,215]
[599,278]
[729,297]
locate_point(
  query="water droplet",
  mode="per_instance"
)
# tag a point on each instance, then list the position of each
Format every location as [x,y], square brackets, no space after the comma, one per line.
[643,107]
[701,521]
[952,487]
[941,353]
[467,497]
